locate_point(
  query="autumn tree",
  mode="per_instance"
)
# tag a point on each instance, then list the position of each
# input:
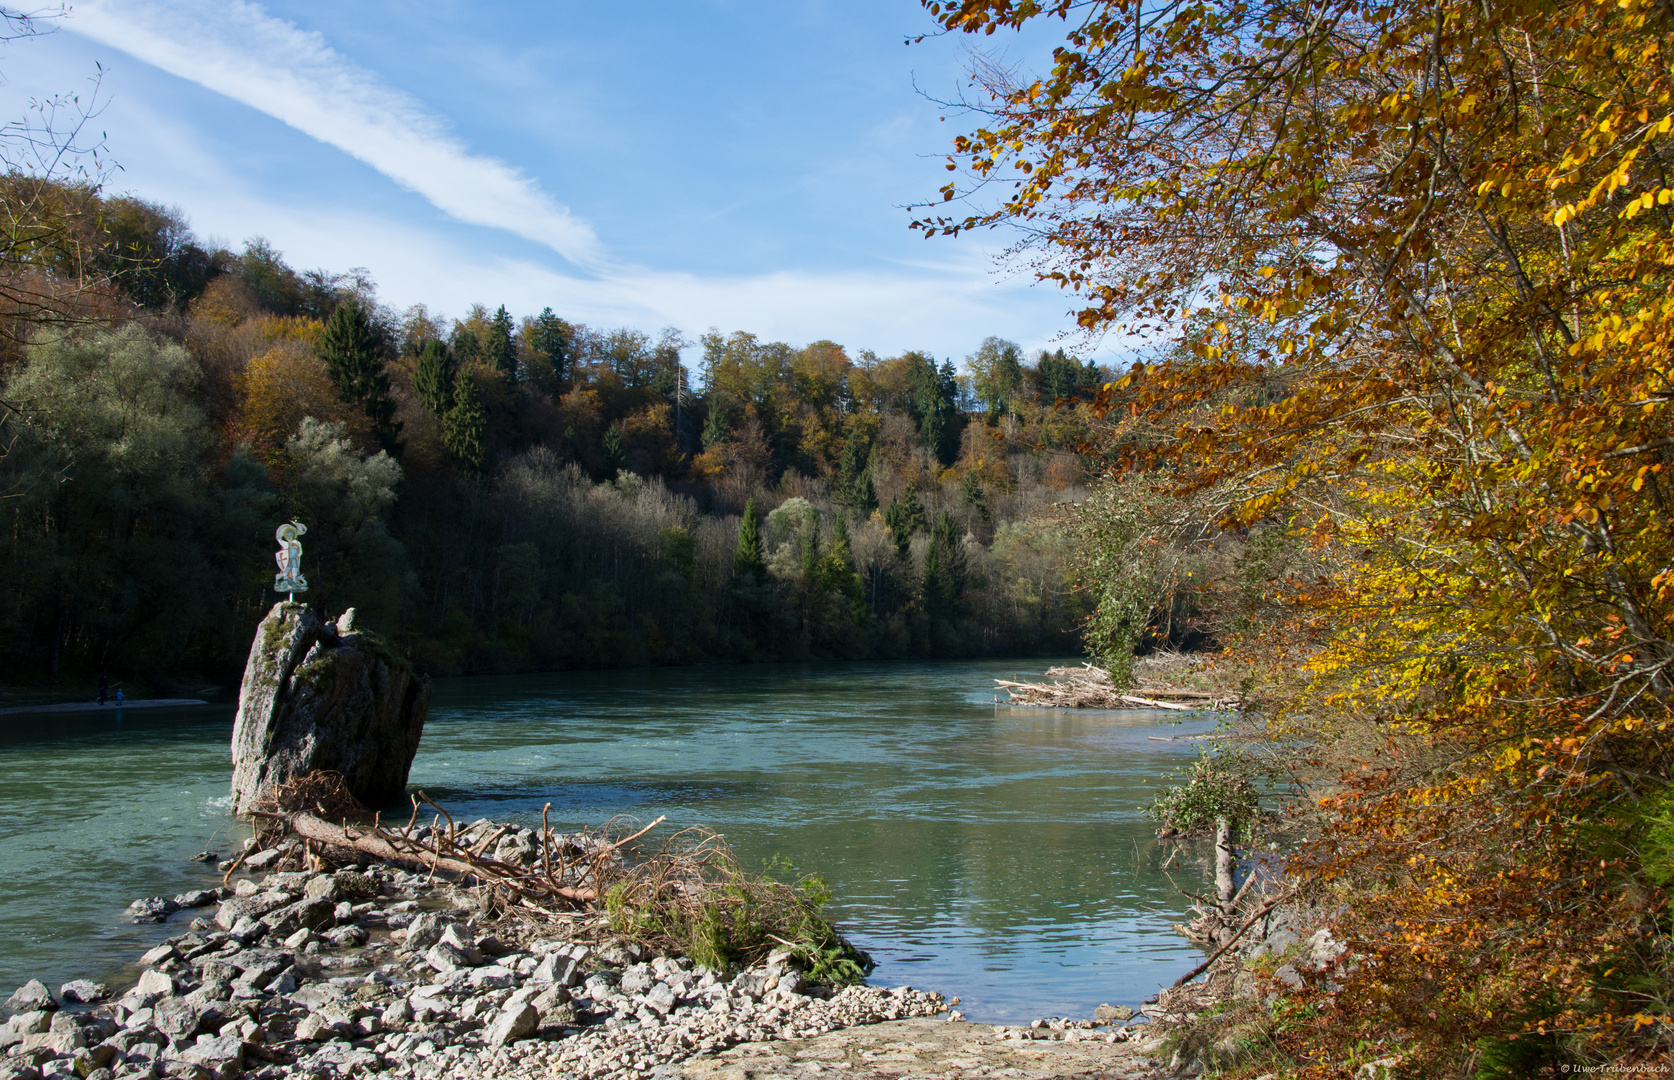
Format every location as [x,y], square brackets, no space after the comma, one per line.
[1421,252]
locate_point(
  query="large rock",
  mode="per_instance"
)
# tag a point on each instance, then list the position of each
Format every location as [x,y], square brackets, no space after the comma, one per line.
[325,696]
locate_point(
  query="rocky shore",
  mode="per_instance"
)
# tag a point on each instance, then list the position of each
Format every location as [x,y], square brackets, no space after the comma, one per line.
[376,969]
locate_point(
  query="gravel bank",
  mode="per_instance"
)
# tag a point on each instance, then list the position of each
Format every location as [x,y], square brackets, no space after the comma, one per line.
[377,970]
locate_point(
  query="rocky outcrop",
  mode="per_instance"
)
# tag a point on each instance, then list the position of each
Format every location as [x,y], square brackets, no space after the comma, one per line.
[325,696]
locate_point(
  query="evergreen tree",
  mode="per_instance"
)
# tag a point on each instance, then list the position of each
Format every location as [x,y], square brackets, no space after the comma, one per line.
[714,423]
[433,376]
[552,340]
[353,347]
[465,344]
[463,425]
[903,517]
[946,539]
[935,405]
[747,561]
[933,590]
[498,350]
[614,454]
[970,489]
[850,465]
[1060,376]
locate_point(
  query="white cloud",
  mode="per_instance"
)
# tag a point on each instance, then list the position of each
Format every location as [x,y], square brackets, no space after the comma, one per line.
[234,48]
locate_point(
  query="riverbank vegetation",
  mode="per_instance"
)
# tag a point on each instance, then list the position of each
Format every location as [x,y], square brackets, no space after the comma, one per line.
[1407,428]
[497,493]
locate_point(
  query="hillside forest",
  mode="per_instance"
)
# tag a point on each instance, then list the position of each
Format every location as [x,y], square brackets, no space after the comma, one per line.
[497,492]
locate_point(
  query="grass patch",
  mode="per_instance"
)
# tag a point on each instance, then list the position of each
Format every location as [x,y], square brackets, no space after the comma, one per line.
[693,896]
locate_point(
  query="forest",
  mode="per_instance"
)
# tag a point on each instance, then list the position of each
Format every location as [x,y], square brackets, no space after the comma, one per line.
[495,492]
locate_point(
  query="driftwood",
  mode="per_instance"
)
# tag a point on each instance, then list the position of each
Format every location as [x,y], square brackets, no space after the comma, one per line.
[1089,687]
[1229,942]
[566,875]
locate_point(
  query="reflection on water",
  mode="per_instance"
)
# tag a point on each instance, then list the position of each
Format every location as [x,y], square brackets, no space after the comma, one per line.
[985,851]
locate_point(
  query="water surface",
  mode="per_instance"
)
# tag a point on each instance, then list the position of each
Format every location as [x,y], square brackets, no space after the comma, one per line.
[990,852]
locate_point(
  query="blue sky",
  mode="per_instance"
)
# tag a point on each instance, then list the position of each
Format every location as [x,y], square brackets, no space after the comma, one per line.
[727,163]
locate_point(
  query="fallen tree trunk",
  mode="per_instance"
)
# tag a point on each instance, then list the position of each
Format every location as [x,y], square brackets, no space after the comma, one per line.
[375,842]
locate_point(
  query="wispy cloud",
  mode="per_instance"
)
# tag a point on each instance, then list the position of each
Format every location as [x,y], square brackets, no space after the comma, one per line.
[236,49]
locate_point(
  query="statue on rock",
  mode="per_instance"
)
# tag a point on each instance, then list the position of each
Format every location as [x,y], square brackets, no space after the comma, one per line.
[289,557]
[325,696]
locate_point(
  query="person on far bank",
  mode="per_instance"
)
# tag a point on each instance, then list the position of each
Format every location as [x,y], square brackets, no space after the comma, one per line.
[104,689]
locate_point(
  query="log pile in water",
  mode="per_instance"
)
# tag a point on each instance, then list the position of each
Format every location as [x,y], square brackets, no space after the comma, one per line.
[1089,687]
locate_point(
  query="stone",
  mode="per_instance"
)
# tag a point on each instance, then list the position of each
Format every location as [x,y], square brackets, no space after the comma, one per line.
[313,914]
[425,931]
[339,1059]
[447,958]
[318,698]
[221,1056]
[1113,1012]
[84,991]
[195,899]
[314,1027]
[155,984]
[346,937]
[493,977]
[322,887]
[162,954]
[660,999]
[22,1025]
[30,997]
[518,1021]
[263,860]
[178,1018]
[62,1043]
[558,969]
[151,910]
[317,996]
[636,979]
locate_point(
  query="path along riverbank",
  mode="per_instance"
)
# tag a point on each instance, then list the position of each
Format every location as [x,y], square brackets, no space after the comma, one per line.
[378,970]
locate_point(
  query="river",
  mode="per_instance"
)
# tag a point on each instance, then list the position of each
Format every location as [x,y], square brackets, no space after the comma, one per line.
[986,851]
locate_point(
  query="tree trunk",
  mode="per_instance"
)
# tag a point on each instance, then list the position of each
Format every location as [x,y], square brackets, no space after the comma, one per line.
[1224,864]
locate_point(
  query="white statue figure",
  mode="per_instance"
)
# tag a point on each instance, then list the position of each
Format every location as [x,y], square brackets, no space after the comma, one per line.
[289,558]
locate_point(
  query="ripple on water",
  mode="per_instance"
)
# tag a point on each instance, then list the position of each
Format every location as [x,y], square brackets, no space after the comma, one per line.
[994,853]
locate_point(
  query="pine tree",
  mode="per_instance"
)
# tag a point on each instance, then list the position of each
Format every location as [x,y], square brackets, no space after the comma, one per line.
[714,424]
[551,338]
[463,425]
[747,560]
[353,347]
[903,517]
[433,376]
[498,350]
[615,456]
[946,539]
[849,467]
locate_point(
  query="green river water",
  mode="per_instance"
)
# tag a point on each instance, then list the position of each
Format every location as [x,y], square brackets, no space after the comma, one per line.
[986,851]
